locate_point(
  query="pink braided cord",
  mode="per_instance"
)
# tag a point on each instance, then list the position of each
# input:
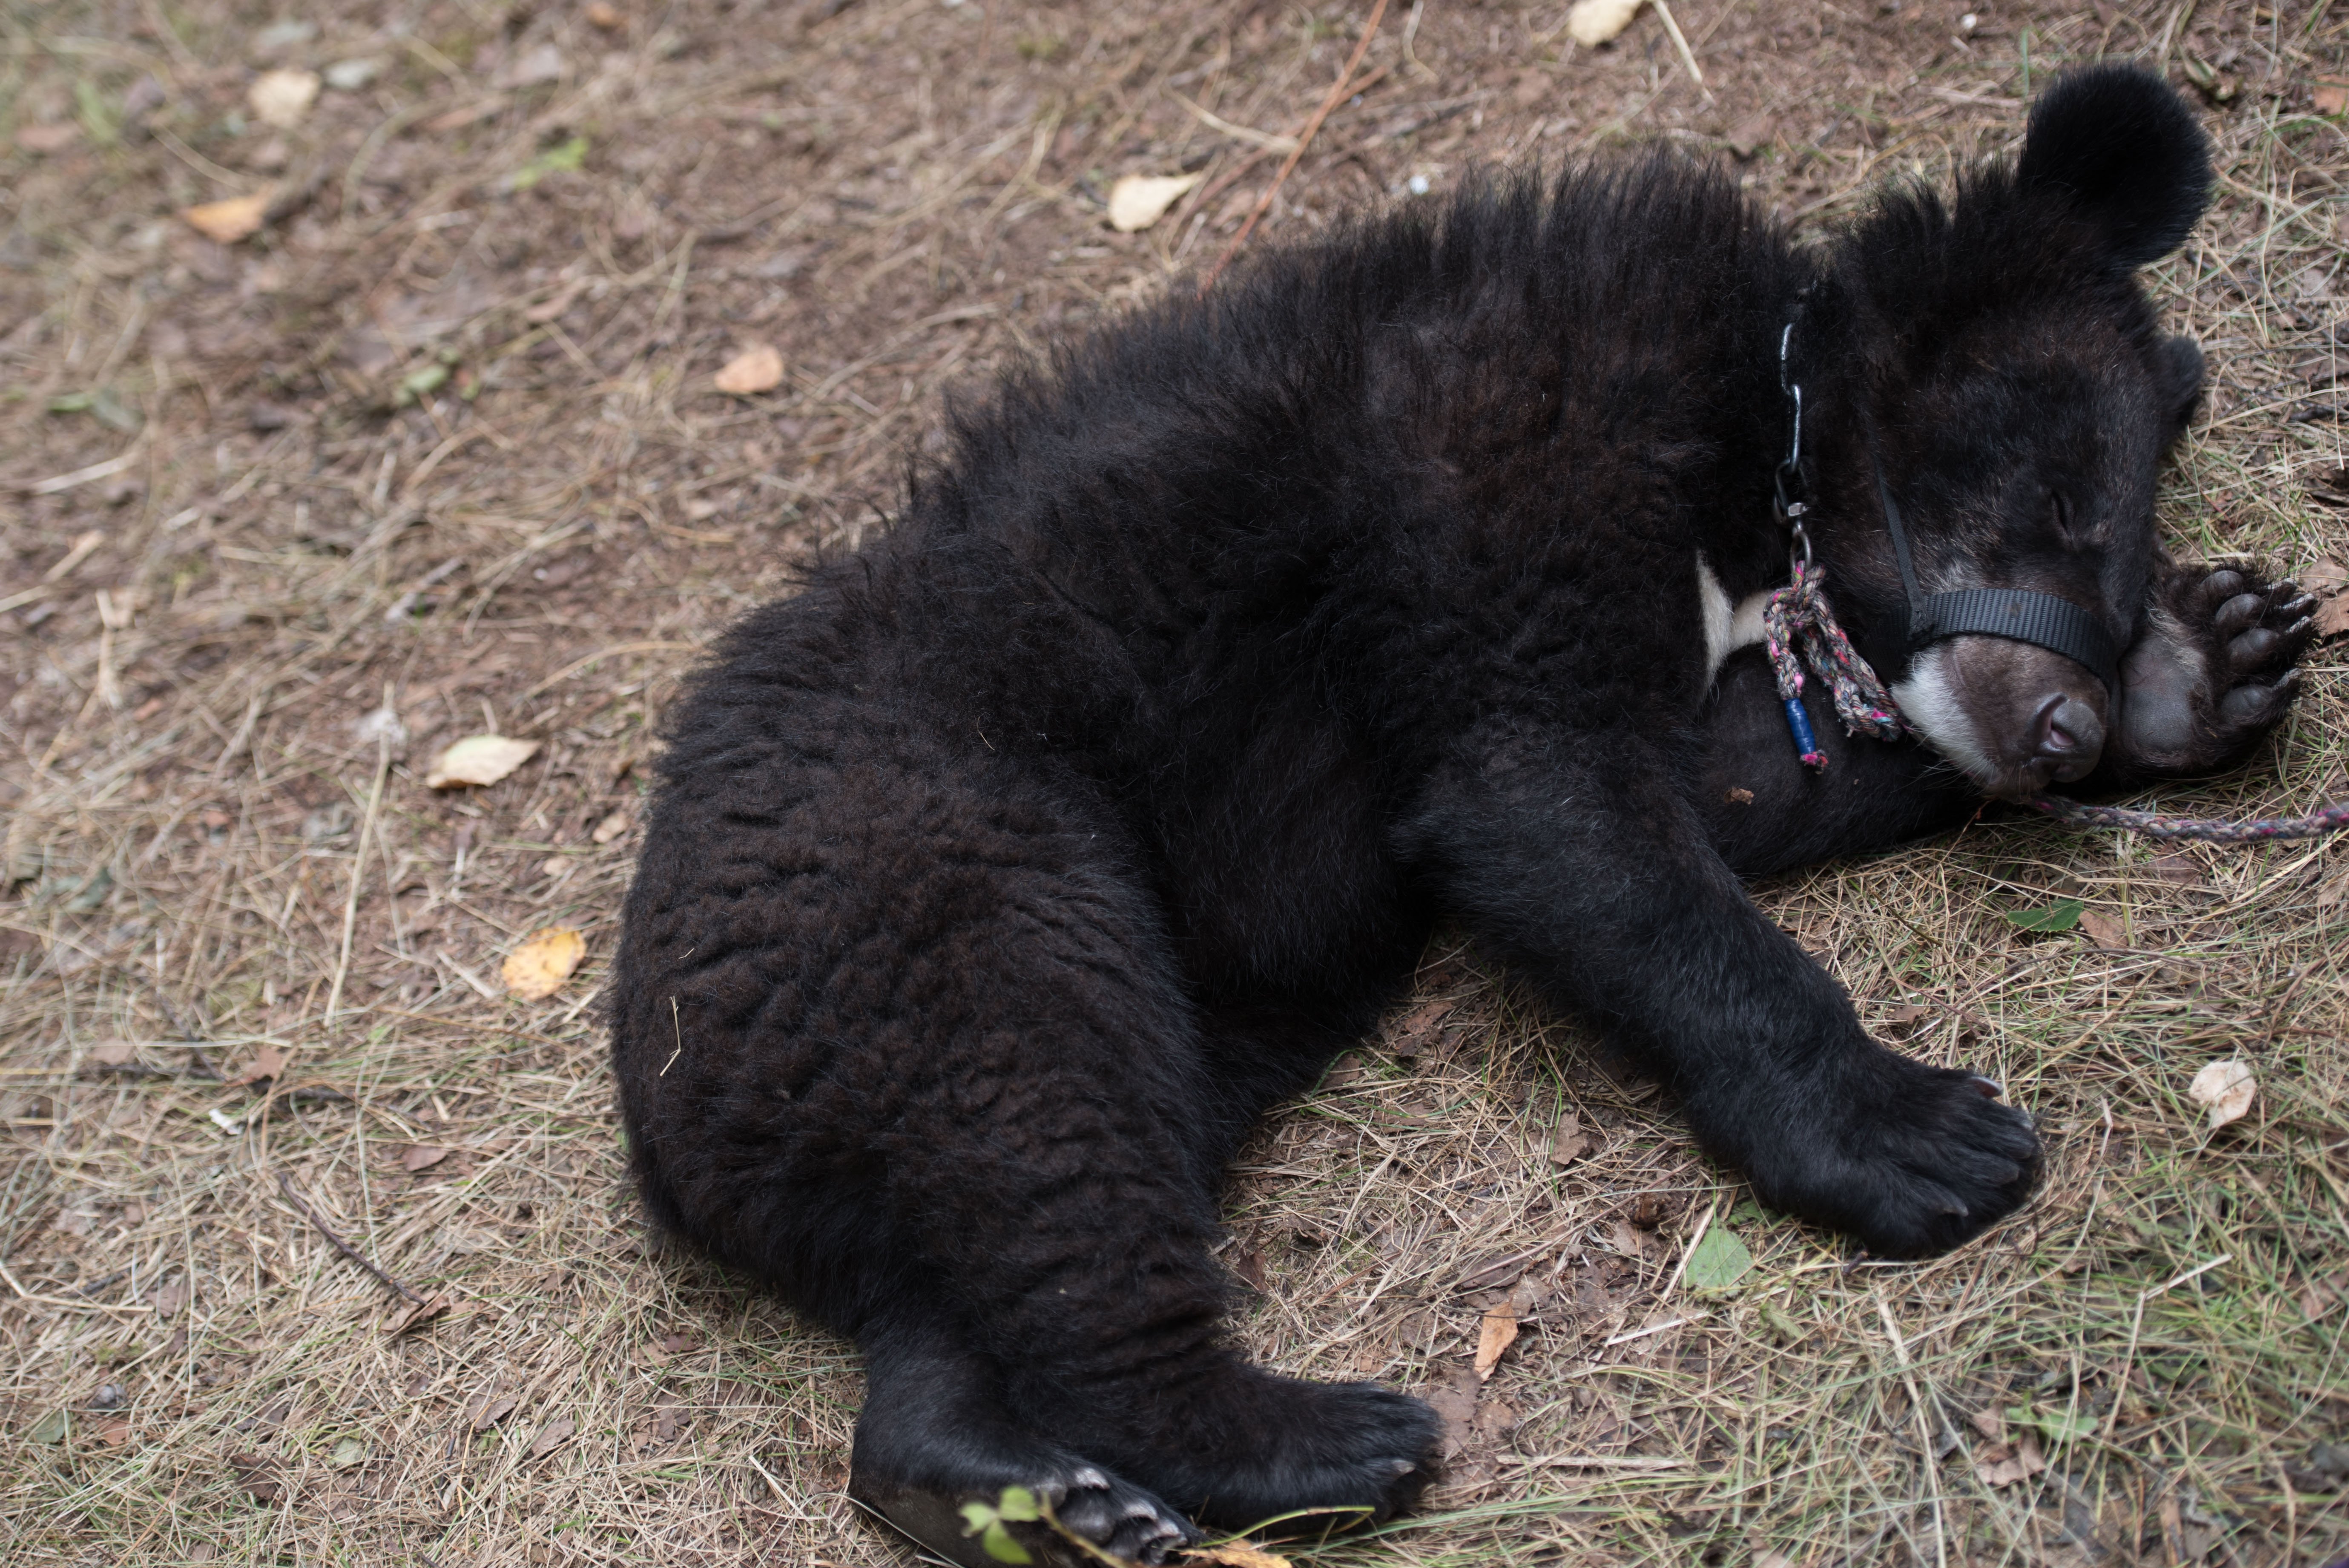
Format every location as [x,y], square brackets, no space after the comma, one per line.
[2213,829]
[1798,622]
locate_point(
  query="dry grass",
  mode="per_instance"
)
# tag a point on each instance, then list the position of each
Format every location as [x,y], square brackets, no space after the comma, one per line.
[899,195]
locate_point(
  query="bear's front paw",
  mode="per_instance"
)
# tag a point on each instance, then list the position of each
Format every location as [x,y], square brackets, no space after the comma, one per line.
[2213,672]
[1910,1159]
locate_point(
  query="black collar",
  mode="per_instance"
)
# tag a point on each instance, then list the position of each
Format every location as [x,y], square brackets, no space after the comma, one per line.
[2043,620]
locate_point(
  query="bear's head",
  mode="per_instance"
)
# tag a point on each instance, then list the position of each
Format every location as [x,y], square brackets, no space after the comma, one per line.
[1988,378]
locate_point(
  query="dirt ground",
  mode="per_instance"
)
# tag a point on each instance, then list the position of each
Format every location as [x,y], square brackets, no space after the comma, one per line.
[437,452]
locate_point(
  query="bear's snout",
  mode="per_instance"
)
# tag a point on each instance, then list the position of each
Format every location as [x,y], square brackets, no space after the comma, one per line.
[2068,736]
[2016,717]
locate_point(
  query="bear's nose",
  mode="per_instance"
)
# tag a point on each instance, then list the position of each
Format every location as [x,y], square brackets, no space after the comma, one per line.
[2068,734]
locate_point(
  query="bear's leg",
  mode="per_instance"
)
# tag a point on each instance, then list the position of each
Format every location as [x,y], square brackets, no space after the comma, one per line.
[937,1433]
[1766,812]
[2212,673]
[1578,857]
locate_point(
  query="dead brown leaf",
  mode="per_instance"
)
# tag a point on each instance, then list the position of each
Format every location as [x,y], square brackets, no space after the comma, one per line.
[757,368]
[282,98]
[1494,1273]
[1595,22]
[114,1434]
[1990,1424]
[257,1476]
[2002,1465]
[43,139]
[113,1053]
[1454,1400]
[421,1157]
[1249,1264]
[552,1435]
[266,1062]
[2330,97]
[170,1299]
[416,1314]
[226,222]
[479,759]
[605,17]
[679,1344]
[2328,575]
[458,118]
[1236,1554]
[610,828]
[537,969]
[1138,201]
[1417,1031]
[2332,616]
[2226,1089]
[1649,1209]
[492,1407]
[1494,1338]
[2103,929]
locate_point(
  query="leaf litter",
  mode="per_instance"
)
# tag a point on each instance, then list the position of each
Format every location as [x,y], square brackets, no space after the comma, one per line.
[1467,1125]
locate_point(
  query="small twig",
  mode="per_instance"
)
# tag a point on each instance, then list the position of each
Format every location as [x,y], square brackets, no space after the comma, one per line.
[2137,1326]
[1926,1458]
[94,1287]
[1680,42]
[358,866]
[286,1184]
[1304,140]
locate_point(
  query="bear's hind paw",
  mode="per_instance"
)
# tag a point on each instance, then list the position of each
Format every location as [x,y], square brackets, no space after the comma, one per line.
[1103,1509]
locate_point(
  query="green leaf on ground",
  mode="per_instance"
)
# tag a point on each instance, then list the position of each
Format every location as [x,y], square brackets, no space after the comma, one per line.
[1719,1261]
[986,1522]
[564,158]
[2056,1426]
[2061,916]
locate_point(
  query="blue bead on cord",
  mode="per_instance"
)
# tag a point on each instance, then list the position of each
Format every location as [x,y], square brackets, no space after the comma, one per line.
[1804,741]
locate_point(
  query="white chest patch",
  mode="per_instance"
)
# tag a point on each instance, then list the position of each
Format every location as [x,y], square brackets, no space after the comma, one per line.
[1727,627]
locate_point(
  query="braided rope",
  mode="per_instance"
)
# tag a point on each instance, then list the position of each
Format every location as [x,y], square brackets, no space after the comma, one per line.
[2330,819]
[1799,629]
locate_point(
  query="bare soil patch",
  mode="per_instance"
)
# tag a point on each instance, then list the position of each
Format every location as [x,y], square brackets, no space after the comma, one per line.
[435,450]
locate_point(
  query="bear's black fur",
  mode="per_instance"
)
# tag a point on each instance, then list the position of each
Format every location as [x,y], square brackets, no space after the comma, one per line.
[1000,881]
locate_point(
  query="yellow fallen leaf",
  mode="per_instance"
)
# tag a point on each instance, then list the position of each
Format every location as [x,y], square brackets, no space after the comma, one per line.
[1234,1554]
[1497,1333]
[2227,1088]
[539,967]
[282,99]
[1138,201]
[1591,23]
[231,221]
[479,760]
[757,368]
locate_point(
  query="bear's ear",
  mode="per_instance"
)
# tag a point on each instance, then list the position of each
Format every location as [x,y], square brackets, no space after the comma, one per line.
[2121,147]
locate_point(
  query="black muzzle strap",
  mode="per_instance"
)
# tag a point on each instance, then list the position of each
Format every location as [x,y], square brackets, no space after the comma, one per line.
[2043,620]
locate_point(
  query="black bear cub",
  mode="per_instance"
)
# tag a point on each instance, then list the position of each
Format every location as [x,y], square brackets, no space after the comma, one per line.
[999,881]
